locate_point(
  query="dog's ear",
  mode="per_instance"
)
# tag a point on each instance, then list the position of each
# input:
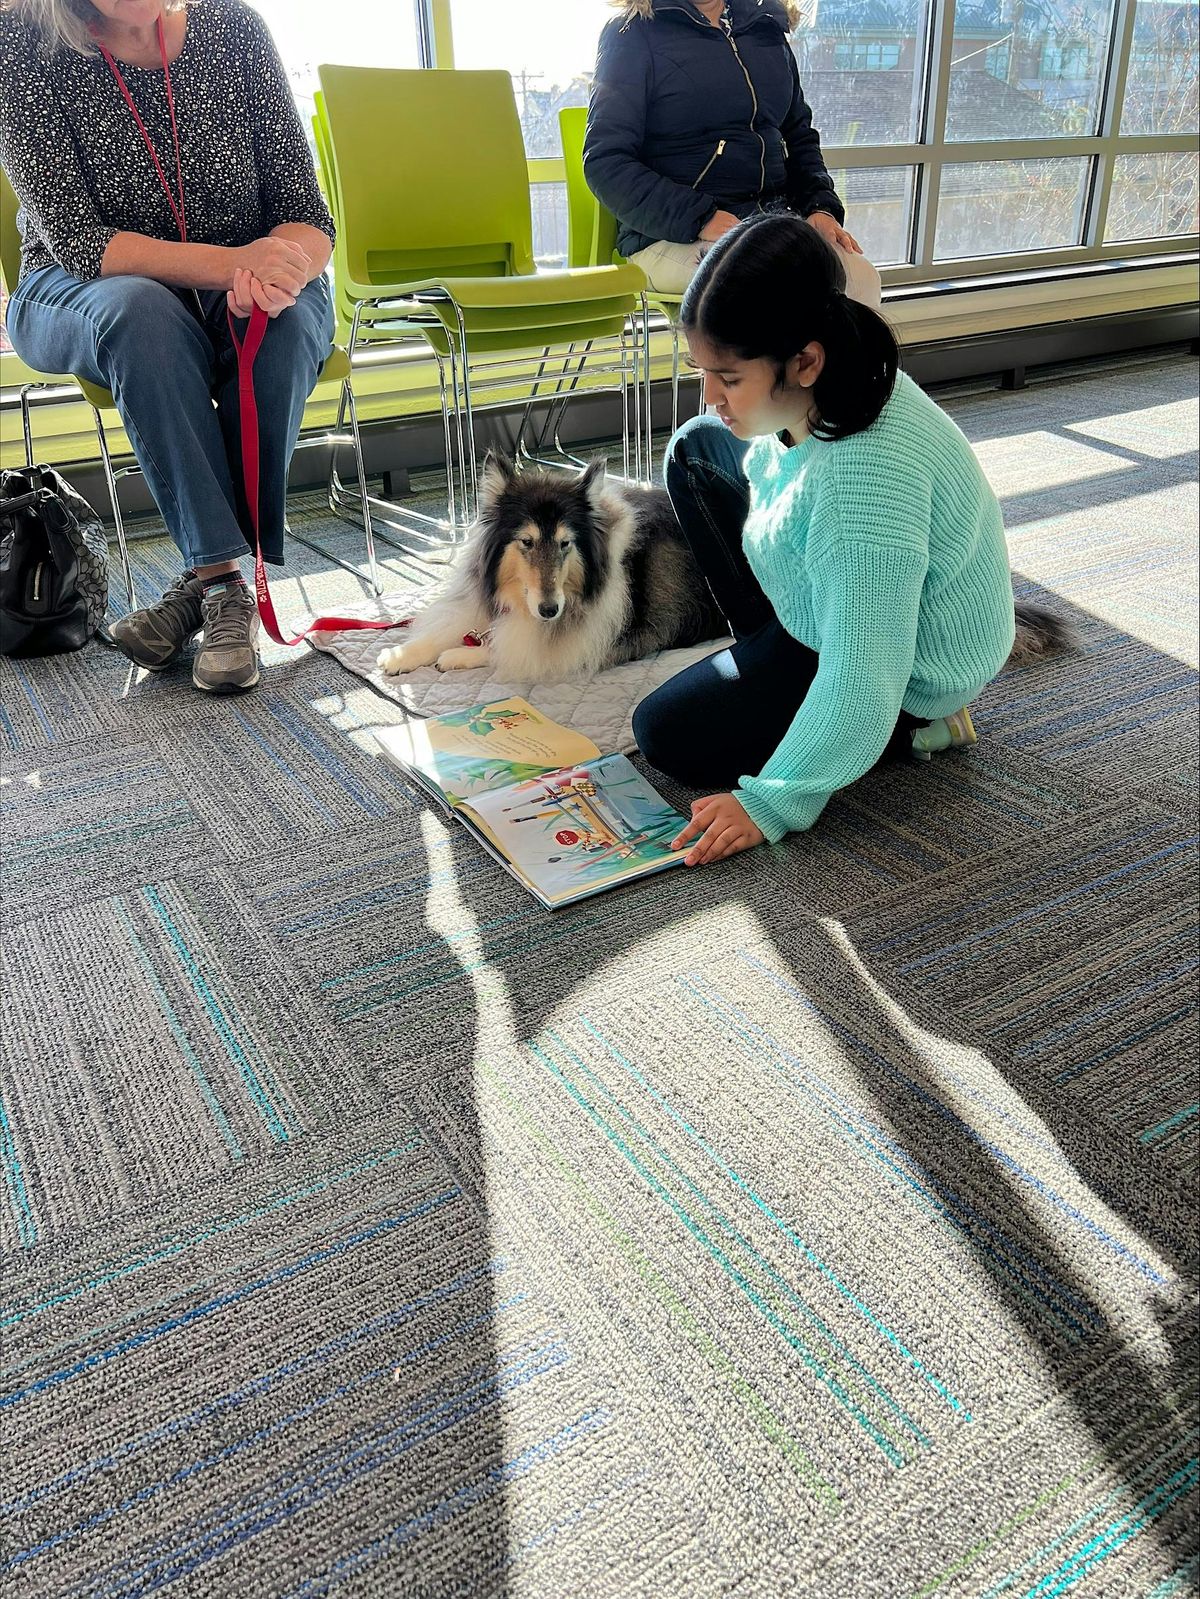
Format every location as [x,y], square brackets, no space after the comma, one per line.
[592,481]
[498,472]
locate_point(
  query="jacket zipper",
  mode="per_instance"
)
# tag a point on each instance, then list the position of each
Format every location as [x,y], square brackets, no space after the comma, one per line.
[762,143]
[37,581]
[720,150]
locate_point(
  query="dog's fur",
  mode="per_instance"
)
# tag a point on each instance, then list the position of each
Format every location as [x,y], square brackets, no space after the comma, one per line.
[562,576]
[1040,633]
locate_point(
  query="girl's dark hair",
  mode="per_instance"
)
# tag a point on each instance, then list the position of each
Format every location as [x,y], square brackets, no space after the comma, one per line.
[772,285]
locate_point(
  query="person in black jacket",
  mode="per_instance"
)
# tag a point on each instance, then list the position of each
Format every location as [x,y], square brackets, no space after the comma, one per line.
[697,119]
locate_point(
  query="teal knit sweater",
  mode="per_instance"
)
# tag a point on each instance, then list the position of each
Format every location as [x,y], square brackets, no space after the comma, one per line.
[885,553]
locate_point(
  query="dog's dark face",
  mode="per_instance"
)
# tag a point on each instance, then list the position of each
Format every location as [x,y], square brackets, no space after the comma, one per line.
[543,538]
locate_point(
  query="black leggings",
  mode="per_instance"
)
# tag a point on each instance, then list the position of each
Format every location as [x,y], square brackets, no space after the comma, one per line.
[724,718]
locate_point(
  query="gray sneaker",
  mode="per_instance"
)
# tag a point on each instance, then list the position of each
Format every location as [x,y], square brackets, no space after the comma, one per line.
[156,636]
[227,660]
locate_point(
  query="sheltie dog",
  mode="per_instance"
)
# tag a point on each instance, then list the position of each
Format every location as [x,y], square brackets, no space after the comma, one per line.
[562,577]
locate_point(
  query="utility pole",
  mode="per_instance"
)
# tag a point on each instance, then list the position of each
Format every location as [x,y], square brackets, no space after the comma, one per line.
[525,79]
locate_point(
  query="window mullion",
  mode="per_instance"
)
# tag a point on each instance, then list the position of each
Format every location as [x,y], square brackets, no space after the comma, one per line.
[931,130]
[1121,47]
[1124,17]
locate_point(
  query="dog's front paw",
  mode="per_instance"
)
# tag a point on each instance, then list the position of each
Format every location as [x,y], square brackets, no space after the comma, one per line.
[399,658]
[463,658]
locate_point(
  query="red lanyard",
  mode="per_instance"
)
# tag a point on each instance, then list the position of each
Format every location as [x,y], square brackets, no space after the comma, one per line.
[177,209]
[246,349]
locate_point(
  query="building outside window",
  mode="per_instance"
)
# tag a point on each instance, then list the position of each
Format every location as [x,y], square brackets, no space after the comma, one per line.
[1065,61]
[871,56]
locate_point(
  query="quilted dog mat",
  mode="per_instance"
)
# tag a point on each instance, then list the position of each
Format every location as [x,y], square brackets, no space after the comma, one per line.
[601,707]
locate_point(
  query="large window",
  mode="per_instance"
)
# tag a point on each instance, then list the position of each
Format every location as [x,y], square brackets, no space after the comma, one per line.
[1154,197]
[879,209]
[1009,207]
[1160,89]
[962,135]
[308,33]
[990,134]
[549,47]
[861,64]
[1020,69]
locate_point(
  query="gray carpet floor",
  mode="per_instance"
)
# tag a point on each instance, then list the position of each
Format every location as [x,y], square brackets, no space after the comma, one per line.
[821,1223]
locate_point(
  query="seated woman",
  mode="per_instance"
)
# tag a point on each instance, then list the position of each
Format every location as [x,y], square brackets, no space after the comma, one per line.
[697,119]
[163,178]
[848,535]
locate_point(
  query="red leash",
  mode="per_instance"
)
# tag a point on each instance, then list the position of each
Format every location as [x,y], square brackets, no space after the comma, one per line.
[246,349]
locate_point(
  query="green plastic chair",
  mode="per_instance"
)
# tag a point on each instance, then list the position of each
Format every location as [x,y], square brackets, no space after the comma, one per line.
[592,241]
[335,370]
[382,325]
[98,398]
[435,240]
[436,531]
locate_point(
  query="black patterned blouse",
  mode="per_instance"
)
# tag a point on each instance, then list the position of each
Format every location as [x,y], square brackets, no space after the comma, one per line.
[76,160]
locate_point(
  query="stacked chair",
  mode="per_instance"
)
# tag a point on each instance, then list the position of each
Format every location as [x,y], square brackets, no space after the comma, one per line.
[428,182]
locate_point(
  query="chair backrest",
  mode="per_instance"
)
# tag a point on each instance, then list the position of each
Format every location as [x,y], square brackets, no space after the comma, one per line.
[430,173]
[591,227]
[581,202]
[325,171]
[10,239]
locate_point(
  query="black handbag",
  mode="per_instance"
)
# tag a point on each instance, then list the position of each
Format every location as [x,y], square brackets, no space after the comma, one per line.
[53,565]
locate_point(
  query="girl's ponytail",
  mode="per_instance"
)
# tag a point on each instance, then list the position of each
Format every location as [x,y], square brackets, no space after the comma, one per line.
[861,362]
[773,285]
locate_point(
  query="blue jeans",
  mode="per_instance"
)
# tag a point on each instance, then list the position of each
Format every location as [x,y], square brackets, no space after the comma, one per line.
[168,359]
[724,717]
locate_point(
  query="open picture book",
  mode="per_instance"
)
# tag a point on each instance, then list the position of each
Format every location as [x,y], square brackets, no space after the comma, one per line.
[564,819]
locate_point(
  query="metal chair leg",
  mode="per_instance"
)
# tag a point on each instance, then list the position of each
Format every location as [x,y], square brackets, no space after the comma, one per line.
[556,428]
[624,406]
[462,501]
[519,446]
[118,519]
[447,444]
[565,385]
[649,431]
[376,585]
[344,500]
[471,497]
[635,345]
[674,378]
[334,485]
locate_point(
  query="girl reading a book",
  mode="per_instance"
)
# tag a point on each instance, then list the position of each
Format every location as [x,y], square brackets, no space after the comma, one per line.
[848,535]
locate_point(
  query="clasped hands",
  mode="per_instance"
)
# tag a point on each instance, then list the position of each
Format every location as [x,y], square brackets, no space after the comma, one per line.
[269,273]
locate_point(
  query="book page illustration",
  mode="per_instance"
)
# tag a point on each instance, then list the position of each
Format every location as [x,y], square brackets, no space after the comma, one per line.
[581,829]
[471,752]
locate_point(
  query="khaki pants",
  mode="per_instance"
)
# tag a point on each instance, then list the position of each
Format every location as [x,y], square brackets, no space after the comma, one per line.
[669,268]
